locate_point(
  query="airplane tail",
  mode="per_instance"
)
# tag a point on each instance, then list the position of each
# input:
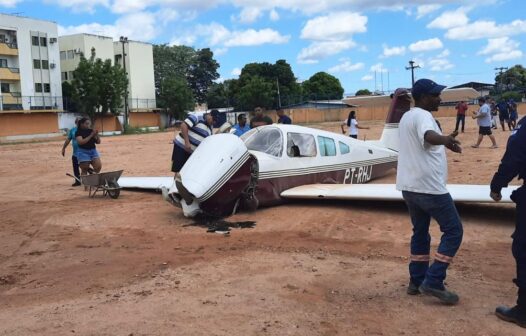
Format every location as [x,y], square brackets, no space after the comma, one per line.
[400,103]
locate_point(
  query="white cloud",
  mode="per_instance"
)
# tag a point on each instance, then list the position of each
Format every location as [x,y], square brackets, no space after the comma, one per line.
[218,35]
[249,15]
[367,78]
[444,53]
[439,64]
[80,5]
[220,51]
[393,51]
[451,19]
[253,37]
[273,15]
[346,66]
[378,67]
[320,50]
[9,3]
[505,56]
[486,29]
[423,10]
[501,49]
[139,27]
[335,26]
[426,45]
[236,72]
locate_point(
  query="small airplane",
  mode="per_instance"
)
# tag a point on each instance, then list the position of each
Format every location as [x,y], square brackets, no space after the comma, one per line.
[272,163]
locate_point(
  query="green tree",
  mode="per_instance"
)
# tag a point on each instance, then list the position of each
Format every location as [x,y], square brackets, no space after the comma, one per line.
[363,92]
[323,86]
[197,67]
[278,76]
[513,78]
[256,92]
[201,73]
[98,87]
[177,96]
[216,96]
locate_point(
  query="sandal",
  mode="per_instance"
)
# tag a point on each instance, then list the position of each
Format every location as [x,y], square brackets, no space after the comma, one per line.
[474,146]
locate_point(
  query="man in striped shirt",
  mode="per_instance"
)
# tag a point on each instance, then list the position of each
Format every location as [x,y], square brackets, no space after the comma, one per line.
[193,130]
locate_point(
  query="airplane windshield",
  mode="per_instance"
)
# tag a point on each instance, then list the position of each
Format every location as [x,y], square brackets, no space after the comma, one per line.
[267,140]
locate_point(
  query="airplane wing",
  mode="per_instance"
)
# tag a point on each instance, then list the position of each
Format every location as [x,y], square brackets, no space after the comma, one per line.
[151,183]
[387,192]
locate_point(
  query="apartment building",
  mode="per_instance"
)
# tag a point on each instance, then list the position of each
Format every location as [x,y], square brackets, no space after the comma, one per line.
[29,64]
[138,63]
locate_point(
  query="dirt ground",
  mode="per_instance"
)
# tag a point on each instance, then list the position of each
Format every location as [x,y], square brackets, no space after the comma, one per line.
[71,265]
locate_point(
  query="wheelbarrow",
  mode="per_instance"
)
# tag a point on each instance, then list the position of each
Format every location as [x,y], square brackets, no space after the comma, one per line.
[107,182]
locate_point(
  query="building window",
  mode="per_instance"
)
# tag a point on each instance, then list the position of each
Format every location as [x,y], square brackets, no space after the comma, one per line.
[34,40]
[70,75]
[38,87]
[43,42]
[36,64]
[4,88]
[2,38]
[45,64]
[3,63]
[71,54]
[64,76]
[47,87]
[62,55]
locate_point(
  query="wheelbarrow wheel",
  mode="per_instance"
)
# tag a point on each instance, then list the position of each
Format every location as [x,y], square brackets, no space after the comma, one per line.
[114,190]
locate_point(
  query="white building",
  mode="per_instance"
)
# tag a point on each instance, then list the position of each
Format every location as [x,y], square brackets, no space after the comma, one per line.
[29,64]
[139,66]
[138,63]
[72,46]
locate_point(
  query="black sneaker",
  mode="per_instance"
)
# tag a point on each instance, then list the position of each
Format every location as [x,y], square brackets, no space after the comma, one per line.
[443,295]
[76,184]
[412,289]
[513,315]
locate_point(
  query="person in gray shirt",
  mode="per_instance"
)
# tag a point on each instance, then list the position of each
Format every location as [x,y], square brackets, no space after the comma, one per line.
[483,117]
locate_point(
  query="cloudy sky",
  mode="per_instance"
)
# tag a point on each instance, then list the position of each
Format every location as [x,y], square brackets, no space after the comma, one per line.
[365,43]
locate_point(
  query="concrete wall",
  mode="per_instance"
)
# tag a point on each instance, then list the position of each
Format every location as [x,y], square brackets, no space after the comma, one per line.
[12,124]
[146,119]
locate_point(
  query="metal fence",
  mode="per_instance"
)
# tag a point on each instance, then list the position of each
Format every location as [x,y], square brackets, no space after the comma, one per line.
[14,101]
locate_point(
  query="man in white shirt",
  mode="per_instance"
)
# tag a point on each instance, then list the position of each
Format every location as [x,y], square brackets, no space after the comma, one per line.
[483,117]
[422,178]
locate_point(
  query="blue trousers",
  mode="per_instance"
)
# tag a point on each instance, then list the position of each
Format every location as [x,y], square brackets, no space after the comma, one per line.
[518,246]
[423,207]
[75,163]
[460,119]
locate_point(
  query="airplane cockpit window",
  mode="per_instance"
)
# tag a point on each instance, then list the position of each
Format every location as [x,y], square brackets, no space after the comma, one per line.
[267,140]
[344,149]
[300,145]
[327,146]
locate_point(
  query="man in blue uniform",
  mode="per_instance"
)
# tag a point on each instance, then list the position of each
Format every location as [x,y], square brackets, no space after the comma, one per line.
[514,164]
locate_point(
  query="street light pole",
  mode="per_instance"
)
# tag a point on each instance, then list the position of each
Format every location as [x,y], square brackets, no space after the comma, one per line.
[124,40]
[412,67]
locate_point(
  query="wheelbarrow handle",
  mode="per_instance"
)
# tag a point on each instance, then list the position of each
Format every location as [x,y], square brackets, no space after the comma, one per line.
[76,178]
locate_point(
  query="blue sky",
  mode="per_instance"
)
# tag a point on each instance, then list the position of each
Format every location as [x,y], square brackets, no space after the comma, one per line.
[453,42]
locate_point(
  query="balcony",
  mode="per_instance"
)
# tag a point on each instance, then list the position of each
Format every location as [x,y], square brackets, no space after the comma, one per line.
[10,74]
[9,49]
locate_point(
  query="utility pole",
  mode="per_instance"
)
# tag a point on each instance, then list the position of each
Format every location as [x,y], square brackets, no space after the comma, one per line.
[279,96]
[412,67]
[500,70]
[124,40]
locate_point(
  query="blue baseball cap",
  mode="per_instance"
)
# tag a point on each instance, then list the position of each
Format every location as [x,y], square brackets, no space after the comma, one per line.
[426,86]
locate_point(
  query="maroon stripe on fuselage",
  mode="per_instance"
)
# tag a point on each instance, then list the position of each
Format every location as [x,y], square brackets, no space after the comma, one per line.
[269,190]
[223,201]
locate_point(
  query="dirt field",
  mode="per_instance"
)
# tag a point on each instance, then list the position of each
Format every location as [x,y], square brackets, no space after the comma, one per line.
[70,265]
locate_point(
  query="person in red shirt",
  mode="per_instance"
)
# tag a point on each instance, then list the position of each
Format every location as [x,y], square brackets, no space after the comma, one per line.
[461,108]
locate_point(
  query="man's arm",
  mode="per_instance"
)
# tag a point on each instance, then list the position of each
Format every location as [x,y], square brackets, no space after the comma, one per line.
[449,141]
[513,161]
[66,143]
[186,138]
